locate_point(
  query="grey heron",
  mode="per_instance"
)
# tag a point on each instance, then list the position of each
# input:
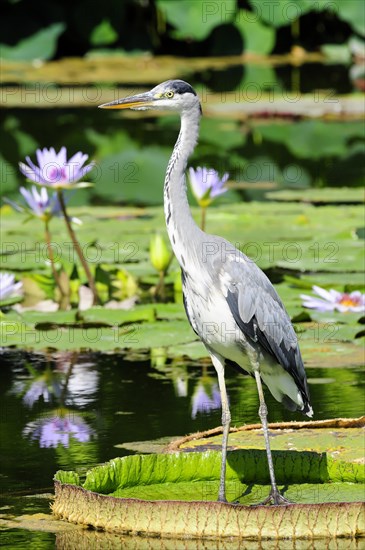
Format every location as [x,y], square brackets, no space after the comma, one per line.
[230,303]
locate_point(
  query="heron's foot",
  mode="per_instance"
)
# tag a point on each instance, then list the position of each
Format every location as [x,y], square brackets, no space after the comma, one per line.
[275,498]
[222,498]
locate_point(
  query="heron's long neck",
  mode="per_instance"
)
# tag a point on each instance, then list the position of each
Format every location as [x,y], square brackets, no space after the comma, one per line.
[181,227]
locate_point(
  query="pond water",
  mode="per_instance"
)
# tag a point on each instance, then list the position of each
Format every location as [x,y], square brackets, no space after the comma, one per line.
[73,411]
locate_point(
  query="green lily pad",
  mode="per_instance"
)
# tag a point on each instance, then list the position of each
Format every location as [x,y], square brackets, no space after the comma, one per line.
[95,335]
[318,244]
[192,20]
[10,301]
[41,45]
[341,445]
[171,494]
[117,317]
[327,195]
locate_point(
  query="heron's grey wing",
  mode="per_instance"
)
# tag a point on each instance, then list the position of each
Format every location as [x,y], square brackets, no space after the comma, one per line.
[188,310]
[261,316]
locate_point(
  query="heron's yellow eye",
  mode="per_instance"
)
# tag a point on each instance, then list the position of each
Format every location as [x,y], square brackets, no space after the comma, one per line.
[169,94]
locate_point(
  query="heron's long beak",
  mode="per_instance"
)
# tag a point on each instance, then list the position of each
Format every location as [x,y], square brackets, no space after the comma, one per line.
[132,102]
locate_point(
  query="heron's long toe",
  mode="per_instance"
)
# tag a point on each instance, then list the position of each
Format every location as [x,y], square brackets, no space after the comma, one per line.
[275,498]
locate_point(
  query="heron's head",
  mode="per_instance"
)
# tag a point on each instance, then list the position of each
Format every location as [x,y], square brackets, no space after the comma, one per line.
[172,95]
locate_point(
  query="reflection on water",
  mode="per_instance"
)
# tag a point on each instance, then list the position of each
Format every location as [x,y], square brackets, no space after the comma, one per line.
[107,540]
[206,397]
[86,540]
[57,428]
[69,411]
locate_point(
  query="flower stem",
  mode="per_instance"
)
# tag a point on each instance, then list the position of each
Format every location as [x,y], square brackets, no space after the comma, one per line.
[160,287]
[47,234]
[203,218]
[77,248]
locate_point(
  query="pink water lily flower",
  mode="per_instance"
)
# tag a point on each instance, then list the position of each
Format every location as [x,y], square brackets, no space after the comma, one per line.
[206,184]
[332,300]
[54,170]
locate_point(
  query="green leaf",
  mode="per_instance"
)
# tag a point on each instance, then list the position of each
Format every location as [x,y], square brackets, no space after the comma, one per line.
[195,19]
[327,195]
[353,12]
[118,317]
[343,448]
[280,13]
[134,175]
[314,139]
[337,53]
[257,37]
[10,301]
[41,45]
[211,133]
[103,34]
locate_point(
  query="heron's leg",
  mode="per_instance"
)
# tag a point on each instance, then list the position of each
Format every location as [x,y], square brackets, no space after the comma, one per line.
[275,497]
[226,422]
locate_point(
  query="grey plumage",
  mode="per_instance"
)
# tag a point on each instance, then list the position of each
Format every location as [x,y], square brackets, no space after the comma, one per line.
[230,303]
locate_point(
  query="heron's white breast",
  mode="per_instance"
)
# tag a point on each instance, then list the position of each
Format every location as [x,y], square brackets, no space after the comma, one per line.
[213,320]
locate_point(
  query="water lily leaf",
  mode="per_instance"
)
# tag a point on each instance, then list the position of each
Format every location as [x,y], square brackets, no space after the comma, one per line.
[195,19]
[258,38]
[103,34]
[33,317]
[353,12]
[170,311]
[211,133]
[96,335]
[342,444]
[259,77]
[193,350]
[328,195]
[41,45]
[283,13]
[10,301]
[135,175]
[337,53]
[117,317]
[314,138]
[183,479]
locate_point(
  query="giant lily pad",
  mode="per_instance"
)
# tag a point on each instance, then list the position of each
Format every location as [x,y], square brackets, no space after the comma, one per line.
[173,495]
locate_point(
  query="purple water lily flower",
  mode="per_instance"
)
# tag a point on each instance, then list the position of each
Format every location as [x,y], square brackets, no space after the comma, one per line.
[8,287]
[40,203]
[54,170]
[57,430]
[206,184]
[203,401]
[331,300]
